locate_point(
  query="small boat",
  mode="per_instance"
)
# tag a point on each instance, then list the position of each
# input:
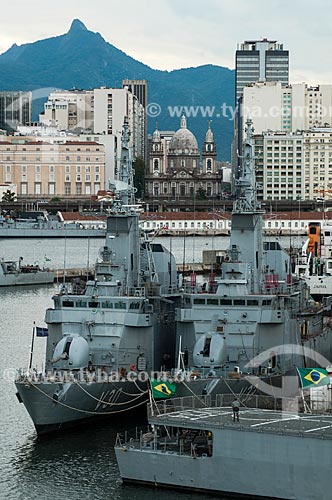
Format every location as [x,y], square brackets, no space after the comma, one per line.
[197,444]
[16,273]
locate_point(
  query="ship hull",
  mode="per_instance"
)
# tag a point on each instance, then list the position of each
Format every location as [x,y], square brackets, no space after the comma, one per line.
[32,278]
[52,233]
[55,407]
[245,464]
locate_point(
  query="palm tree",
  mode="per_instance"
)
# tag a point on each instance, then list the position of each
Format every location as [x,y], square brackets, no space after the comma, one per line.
[8,196]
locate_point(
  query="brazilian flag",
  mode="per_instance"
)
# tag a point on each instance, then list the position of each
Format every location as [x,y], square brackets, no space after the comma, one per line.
[162,390]
[311,377]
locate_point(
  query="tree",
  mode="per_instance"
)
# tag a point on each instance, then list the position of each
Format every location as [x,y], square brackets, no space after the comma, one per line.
[8,196]
[139,176]
[201,194]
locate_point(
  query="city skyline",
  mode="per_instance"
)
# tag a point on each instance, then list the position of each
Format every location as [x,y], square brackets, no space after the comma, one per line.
[202,33]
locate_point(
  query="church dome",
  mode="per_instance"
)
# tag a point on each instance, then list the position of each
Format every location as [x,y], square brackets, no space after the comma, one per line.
[183,141]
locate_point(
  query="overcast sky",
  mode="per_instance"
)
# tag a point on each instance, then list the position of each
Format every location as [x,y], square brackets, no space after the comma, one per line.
[169,34]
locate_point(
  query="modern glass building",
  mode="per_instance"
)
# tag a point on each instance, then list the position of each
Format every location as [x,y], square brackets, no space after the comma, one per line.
[260,61]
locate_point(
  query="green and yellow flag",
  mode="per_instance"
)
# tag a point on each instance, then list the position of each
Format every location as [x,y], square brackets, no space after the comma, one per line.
[313,377]
[162,389]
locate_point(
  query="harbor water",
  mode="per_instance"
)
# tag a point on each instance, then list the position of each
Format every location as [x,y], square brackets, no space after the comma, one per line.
[81,463]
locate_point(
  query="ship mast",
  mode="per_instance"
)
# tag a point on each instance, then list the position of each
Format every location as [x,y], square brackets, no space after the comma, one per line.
[126,169]
[246,241]
[246,183]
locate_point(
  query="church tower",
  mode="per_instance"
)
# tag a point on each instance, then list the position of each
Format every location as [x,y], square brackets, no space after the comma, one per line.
[209,153]
[156,166]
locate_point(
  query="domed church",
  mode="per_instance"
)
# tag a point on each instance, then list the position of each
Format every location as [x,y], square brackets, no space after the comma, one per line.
[177,172]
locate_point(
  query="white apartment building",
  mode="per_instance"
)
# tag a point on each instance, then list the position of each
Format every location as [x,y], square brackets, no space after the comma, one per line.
[272,106]
[109,107]
[101,112]
[68,110]
[318,163]
[295,165]
[280,166]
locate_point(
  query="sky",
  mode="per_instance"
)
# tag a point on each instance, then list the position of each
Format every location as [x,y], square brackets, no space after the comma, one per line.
[172,34]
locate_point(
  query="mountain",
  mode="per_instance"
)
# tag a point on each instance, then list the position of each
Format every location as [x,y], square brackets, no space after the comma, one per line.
[83,59]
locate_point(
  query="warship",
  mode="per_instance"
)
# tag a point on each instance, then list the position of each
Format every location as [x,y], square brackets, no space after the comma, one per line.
[197,446]
[102,335]
[258,318]
[14,273]
[40,224]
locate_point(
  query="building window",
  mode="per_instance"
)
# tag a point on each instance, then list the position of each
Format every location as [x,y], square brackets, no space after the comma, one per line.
[87,168]
[97,177]
[51,178]
[87,177]
[8,168]
[78,169]
[8,178]
[78,178]
[67,178]
[37,169]
[78,188]
[24,177]
[37,178]
[24,188]
[97,169]
[87,188]
[67,187]
[51,169]
[67,169]
[156,164]
[37,188]
[24,169]
[96,187]
[182,190]
[51,188]
[208,165]
[156,190]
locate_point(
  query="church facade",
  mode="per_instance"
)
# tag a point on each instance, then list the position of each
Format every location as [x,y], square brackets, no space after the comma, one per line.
[178,171]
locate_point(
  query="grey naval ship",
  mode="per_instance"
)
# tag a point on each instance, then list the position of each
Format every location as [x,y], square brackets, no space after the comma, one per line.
[100,337]
[241,331]
[257,321]
[199,447]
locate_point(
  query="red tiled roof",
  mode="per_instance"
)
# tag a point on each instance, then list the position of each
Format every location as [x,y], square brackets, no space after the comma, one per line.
[77,216]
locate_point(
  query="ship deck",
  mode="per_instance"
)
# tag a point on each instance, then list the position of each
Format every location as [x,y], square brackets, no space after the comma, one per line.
[251,419]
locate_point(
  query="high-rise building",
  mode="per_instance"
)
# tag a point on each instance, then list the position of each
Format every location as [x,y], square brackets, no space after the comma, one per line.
[255,61]
[260,61]
[99,111]
[15,109]
[140,89]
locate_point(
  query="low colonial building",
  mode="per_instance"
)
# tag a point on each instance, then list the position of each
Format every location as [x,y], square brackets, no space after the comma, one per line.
[178,171]
[42,169]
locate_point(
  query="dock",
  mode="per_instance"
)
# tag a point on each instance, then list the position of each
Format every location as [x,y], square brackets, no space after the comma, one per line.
[72,273]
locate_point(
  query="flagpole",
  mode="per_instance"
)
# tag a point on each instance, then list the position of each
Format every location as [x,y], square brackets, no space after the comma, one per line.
[32,343]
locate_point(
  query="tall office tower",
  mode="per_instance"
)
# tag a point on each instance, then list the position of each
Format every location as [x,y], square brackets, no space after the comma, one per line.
[260,61]
[140,89]
[15,109]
